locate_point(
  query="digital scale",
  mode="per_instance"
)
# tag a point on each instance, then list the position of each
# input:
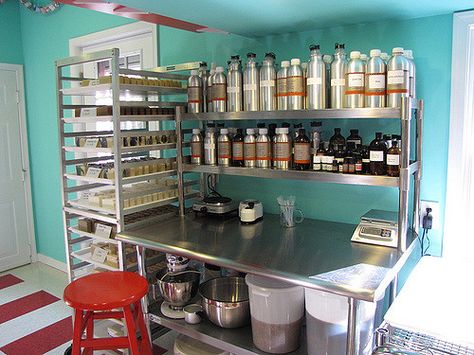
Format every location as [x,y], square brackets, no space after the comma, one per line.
[377,227]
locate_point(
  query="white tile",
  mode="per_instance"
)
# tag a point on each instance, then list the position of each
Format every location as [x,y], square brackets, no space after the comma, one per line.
[59,350]
[17,291]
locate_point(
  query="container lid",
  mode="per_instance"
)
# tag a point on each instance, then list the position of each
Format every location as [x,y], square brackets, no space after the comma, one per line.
[185,345]
[196,131]
[355,54]
[251,55]
[295,61]
[327,58]
[397,50]
[267,283]
[363,56]
[219,69]
[313,47]
[278,130]
[262,131]
[339,46]
[250,131]
[284,130]
[285,63]
[375,52]
[194,72]
[271,55]
[316,124]
[236,56]
[304,65]
[408,53]
[224,131]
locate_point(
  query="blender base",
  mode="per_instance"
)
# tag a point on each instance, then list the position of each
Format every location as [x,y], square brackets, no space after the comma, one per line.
[170,312]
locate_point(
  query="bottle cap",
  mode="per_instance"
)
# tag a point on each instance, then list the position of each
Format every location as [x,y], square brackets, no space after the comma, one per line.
[285,63]
[304,65]
[262,131]
[271,55]
[397,50]
[250,131]
[219,70]
[194,72]
[327,58]
[408,53]
[278,130]
[375,52]
[339,46]
[196,131]
[203,65]
[313,47]
[355,54]
[363,56]
[316,124]
[236,57]
[251,55]
[295,61]
[356,131]
[224,131]
[284,130]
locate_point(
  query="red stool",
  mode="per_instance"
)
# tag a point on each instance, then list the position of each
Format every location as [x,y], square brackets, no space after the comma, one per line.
[95,297]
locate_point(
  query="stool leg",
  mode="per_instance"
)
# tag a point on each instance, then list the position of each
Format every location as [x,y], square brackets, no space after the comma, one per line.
[77,333]
[131,330]
[89,330]
[146,347]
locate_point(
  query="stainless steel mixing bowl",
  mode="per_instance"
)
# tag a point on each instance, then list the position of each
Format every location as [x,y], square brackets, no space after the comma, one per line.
[225,300]
[178,288]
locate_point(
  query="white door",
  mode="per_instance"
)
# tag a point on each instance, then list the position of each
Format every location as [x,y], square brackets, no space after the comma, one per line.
[14,232]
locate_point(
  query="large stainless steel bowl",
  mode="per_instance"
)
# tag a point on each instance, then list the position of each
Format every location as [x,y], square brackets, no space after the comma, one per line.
[225,300]
[178,288]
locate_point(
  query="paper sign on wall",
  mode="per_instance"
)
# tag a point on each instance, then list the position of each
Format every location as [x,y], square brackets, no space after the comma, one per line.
[102,230]
[93,172]
[99,255]
[88,112]
[91,143]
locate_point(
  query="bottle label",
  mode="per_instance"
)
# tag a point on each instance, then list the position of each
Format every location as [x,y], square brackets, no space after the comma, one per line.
[338,82]
[397,82]
[375,84]
[329,161]
[366,161]
[219,92]
[223,150]
[210,93]
[196,149]
[194,94]
[355,141]
[358,167]
[267,83]
[314,81]
[340,160]
[238,150]
[340,168]
[302,154]
[250,87]
[263,150]
[295,86]
[282,86]
[355,83]
[393,159]
[250,151]
[376,155]
[233,89]
[317,159]
[282,151]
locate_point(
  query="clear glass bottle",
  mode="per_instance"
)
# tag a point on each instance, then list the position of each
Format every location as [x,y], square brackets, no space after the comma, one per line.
[393,160]
[378,155]
[302,159]
[238,149]
[337,138]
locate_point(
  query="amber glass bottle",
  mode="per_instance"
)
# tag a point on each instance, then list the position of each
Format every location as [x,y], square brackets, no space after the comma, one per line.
[393,159]
[378,155]
[302,159]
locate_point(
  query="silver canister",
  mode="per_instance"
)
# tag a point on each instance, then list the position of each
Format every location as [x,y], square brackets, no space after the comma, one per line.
[268,83]
[234,85]
[250,148]
[195,102]
[316,80]
[355,76]
[204,75]
[196,147]
[398,78]
[224,148]
[338,77]
[263,154]
[209,90]
[411,71]
[282,156]
[282,77]
[210,156]
[375,80]
[219,90]
[327,59]
[251,84]
[295,89]
[304,69]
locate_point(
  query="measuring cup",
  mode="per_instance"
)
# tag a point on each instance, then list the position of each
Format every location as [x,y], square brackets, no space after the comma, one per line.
[289,215]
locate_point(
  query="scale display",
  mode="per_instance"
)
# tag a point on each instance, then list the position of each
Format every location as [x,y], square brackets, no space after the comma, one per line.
[377,227]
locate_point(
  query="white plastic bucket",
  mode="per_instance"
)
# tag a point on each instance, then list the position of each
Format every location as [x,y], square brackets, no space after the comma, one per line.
[185,345]
[277,312]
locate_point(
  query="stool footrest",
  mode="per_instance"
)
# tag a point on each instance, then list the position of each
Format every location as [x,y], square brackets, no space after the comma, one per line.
[108,315]
[106,343]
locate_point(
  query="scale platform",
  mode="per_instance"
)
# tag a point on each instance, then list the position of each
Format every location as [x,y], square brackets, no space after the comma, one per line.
[377,227]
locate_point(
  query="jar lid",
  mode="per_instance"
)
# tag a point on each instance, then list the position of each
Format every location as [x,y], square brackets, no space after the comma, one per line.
[375,52]
[194,72]
[267,283]
[250,131]
[295,61]
[262,131]
[224,131]
[355,54]
[196,131]
[397,50]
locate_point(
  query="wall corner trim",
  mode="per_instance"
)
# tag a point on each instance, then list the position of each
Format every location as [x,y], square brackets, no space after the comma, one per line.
[59,265]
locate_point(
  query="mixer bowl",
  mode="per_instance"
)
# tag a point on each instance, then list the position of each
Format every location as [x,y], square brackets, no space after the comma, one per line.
[178,288]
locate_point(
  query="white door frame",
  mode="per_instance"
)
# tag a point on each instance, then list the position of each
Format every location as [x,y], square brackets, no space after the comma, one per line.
[25,161]
[457,235]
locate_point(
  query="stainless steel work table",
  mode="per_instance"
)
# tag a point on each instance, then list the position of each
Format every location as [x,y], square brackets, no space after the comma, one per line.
[311,254]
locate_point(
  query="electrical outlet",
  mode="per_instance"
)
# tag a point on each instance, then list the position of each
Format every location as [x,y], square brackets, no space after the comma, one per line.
[435,212]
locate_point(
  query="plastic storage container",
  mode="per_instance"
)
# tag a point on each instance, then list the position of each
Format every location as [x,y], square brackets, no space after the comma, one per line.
[277,312]
[326,323]
[185,345]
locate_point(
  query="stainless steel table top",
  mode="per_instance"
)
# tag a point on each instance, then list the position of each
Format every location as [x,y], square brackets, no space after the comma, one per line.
[311,254]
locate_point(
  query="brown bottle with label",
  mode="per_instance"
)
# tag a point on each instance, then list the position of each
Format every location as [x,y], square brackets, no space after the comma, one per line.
[393,160]
[238,149]
[378,155]
[302,159]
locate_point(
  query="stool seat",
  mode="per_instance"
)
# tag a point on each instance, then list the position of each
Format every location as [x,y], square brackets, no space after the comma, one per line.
[105,291]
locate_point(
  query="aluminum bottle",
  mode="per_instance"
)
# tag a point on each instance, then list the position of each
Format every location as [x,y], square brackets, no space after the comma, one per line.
[375,80]
[251,84]
[364,58]
[196,147]
[219,90]
[355,75]
[295,89]
[224,148]
[194,93]
[210,156]
[209,90]
[204,75]
[234,85]
[327,59]
[250,148]
[304,68]
[398,79]
[268,83]
[316,80]
[263,156]
[412,71]
[282,156]
[282,77]
[338,73]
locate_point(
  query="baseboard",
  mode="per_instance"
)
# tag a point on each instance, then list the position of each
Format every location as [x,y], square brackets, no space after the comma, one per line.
[52,262]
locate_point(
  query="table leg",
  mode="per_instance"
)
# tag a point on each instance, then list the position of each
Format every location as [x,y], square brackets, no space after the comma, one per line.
[352,344]
[142,271]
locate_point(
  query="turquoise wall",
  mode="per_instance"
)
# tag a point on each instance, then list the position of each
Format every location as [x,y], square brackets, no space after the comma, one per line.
[45,39]
[11,50]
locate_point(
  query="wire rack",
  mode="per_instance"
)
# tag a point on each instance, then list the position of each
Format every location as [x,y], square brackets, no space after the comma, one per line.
[423,344]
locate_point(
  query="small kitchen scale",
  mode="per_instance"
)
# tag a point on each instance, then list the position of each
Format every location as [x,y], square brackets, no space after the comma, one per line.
[377,227]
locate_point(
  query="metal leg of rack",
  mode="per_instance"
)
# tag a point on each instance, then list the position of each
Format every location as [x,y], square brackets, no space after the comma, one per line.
[419,154]
[179,159]
[404,174]
[142,271]
[393,289]
[352,345]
